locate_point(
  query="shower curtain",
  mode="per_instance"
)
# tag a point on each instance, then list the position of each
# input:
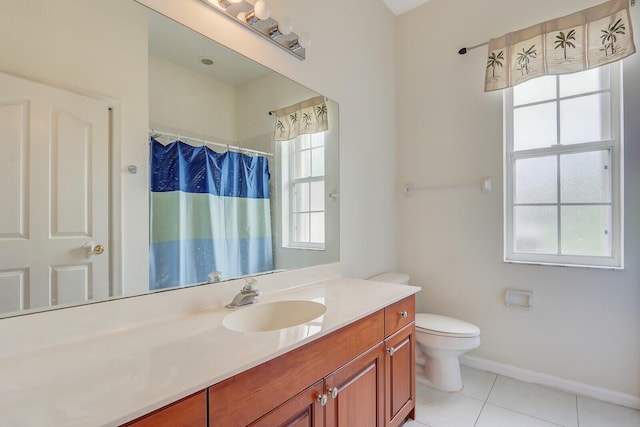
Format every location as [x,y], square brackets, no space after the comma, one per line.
[209,212]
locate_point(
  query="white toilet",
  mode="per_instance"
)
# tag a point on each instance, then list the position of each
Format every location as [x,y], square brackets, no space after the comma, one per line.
[440,341]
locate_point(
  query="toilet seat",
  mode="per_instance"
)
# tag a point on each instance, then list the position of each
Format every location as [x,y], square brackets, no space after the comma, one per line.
[445,326]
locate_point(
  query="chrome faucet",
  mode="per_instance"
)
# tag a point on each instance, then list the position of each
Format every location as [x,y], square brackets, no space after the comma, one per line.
[247,295]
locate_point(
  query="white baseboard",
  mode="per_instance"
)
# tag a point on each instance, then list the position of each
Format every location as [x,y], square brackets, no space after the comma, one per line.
[558,383]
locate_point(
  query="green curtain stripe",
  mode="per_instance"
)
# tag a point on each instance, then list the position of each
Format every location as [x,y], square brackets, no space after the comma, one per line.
[186,216]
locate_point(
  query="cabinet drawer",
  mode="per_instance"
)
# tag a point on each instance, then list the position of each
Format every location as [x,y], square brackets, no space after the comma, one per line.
[188,412]
[399,314]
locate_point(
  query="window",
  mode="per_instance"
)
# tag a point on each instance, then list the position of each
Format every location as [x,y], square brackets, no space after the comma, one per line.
[303,192]
[563,170]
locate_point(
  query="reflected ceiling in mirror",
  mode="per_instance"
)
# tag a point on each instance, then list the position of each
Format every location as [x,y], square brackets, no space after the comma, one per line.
[103,75]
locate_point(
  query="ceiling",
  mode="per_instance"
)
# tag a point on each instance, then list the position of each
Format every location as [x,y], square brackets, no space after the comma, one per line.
[398,7]
[180,44]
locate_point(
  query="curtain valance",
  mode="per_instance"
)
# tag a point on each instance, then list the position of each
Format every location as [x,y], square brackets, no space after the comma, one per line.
[308,116]
[583,40]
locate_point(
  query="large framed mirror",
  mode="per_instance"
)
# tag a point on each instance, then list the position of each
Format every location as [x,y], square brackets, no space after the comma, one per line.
[86,92]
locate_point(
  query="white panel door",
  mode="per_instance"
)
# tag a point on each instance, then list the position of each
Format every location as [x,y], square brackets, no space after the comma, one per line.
[54,196]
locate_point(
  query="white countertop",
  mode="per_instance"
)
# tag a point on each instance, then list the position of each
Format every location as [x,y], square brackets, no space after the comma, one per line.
[115,377]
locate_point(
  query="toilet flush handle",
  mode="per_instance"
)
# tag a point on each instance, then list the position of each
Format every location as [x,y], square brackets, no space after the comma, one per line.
[403,314]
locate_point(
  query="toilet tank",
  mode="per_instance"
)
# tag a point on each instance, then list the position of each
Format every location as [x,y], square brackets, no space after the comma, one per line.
[398,278]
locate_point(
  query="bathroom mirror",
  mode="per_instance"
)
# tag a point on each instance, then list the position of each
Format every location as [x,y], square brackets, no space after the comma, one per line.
[104,77]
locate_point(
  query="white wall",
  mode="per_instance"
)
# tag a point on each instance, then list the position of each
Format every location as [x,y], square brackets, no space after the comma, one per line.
[351,61]
[183,100]
[585,325]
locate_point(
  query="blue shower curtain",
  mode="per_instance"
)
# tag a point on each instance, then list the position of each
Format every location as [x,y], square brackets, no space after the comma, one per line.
[209,212]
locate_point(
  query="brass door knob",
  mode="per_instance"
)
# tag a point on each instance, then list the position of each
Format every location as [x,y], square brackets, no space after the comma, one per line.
[97,250]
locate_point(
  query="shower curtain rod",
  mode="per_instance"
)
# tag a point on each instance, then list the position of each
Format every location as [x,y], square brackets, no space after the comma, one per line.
[154,133]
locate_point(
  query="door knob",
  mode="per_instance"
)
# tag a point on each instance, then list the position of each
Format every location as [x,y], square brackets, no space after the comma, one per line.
[98,250]
[391,351]
[403,314]
[333,392]
[94,249]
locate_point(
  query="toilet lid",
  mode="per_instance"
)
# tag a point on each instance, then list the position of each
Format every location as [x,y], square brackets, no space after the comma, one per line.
[443,325]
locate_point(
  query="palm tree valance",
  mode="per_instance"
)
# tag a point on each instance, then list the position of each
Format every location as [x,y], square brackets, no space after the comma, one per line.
[580,41]
[308,116]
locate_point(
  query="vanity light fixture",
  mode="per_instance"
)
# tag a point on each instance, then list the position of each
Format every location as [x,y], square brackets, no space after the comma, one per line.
[257,17]
[225,3]
[260,12]
[302,42]
[284,28]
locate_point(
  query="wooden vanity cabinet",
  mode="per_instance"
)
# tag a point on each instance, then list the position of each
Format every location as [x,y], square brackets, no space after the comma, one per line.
[188,412]
[254,393]
[400,362]
[352,396]
[362,375]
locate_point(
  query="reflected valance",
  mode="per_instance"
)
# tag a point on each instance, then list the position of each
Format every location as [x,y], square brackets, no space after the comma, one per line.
[308,116]
[580,41]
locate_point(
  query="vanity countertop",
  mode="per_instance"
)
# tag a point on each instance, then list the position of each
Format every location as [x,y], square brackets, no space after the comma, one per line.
[115,377]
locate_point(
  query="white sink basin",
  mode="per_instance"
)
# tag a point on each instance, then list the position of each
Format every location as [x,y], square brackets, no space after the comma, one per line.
[272,316]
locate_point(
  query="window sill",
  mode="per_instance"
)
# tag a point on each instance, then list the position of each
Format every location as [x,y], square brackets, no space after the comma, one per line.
[570,265]
[304,248]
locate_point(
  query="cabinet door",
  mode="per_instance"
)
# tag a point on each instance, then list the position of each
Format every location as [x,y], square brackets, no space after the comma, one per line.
[400,388]
[188,412]
[304,410]
[355,392]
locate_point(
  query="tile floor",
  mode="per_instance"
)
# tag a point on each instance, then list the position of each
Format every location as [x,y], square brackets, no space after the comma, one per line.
[490,400]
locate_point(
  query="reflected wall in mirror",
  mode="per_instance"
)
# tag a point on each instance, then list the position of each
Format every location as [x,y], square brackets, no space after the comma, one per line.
[81,92]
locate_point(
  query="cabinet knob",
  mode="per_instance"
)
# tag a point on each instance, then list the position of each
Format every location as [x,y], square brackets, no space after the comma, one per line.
[391,351]
[322,398]
[333,392]
[404,314]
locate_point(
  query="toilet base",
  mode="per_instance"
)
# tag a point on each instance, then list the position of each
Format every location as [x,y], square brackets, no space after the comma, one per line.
[439,356]
[421,378]
[441,374]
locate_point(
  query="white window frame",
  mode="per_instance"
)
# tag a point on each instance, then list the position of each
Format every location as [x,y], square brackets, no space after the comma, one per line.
[289,223]
[615,145]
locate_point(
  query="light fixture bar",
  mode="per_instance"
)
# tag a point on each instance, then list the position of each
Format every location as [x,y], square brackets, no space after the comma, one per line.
[243,13]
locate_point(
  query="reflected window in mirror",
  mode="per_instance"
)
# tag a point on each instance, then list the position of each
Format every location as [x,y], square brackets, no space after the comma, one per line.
[304,182]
